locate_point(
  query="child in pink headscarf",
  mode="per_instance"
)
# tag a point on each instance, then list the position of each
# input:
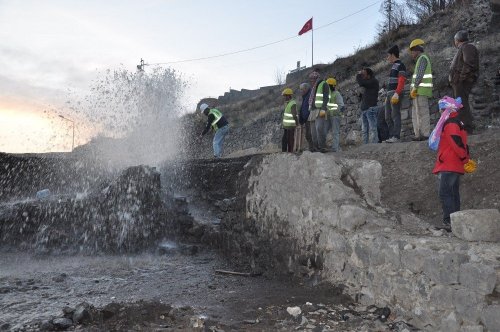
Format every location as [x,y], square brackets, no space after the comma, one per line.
[447,105]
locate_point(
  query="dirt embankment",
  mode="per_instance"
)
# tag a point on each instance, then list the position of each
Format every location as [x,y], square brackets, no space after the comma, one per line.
[408,183]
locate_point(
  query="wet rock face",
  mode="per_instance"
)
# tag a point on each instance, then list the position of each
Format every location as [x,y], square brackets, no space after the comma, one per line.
[292,200]
[23,176]
[124,215]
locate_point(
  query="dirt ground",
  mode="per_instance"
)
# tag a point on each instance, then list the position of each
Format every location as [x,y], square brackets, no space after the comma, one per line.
[174,291]
[408,184]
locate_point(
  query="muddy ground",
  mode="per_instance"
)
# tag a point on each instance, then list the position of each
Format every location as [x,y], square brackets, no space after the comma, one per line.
[166,292]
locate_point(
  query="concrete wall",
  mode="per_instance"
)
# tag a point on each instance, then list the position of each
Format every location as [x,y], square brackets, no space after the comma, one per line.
[322,218]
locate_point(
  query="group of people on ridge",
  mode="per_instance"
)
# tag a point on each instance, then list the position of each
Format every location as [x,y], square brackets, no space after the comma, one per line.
[383,124]
[320,111]
[322,108]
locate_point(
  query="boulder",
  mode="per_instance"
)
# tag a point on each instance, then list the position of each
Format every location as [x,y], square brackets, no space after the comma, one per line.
[62,323]
[476,225]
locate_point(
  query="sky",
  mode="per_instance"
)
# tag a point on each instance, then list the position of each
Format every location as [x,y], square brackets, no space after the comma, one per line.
[51,51]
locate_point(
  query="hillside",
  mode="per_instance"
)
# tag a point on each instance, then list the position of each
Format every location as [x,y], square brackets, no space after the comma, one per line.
[255,120]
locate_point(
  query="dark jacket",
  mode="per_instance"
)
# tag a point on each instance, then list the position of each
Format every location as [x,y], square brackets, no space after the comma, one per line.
[369,96]
[453,151]
[304,108]
[397,77]
[465,64]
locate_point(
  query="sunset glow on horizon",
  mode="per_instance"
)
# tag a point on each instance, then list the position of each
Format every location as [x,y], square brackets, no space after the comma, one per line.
[28,129]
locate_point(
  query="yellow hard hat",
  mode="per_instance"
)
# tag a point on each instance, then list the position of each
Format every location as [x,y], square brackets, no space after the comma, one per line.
[416,42]
[470,166]
[287,92]
[331,81]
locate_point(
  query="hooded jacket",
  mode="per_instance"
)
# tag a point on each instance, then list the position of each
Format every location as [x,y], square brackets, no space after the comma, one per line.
[453,151]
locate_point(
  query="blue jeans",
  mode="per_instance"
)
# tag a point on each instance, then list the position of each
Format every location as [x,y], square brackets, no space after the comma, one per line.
[449,193]
[369,125]
[393,115]
[333,122]
[218,142]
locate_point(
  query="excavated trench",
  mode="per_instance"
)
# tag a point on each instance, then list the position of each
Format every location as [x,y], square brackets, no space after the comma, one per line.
[147,250]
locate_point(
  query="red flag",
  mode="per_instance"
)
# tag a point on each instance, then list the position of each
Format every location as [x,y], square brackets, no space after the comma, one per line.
[308,26]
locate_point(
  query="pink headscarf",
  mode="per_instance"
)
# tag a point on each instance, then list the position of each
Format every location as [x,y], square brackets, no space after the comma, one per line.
[448,105]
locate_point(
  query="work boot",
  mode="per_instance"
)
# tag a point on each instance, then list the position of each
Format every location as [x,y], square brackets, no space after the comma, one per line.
[447,225]
[392,140]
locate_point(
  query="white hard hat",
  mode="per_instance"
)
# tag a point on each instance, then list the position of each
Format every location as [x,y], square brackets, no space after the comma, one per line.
[203,107]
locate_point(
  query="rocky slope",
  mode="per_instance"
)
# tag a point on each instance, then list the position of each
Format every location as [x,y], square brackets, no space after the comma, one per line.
[256,121]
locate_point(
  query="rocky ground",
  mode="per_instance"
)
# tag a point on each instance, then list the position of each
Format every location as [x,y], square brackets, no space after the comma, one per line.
[166,291]
[408,184]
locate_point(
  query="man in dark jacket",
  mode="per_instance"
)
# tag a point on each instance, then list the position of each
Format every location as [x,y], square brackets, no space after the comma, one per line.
[463,75]
[305,90]
[453,154]
[369,109]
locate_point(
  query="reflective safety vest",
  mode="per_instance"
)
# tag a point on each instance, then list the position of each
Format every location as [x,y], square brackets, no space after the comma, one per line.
[318,101]
[288,120]
[425,87]
[217,116]
[332,106]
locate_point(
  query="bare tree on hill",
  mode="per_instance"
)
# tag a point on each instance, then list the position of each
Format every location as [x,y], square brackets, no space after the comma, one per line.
[395,15]
[425,8]
[398,13]
[279,76]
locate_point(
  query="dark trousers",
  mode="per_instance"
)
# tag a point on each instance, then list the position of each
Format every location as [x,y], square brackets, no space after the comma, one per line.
[462,90]
[288,140]
[449,193]
[382,127]
[310,131]
[393,115]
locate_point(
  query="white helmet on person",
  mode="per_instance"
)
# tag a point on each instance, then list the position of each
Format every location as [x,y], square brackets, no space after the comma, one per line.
[203,107]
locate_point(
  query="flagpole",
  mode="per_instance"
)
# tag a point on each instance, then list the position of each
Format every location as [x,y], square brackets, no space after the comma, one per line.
[312,45]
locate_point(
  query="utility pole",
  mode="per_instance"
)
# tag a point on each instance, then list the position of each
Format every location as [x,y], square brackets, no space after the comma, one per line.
[390,15]
[389,8]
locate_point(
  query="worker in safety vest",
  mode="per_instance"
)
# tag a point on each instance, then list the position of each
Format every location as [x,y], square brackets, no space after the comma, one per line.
[289,122]
[420,91]
[318,101]
[218,122]
[335,111]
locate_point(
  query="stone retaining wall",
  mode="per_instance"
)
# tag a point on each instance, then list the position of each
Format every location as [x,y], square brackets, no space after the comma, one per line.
[322,218]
